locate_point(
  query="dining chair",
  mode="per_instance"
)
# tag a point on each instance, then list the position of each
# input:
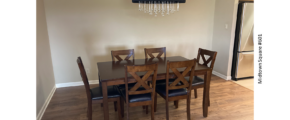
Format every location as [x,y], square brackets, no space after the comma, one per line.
[160,51]
[202,53]
[116,54]
[94,95]
[140,94]
[199,82]
[149,52]
[180,88]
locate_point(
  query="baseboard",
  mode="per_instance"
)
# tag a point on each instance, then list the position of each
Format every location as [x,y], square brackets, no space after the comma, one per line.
[43,108]
[70,84]
[221,75]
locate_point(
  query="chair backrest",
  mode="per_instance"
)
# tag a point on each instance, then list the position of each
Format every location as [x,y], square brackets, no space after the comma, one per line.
[211,54]
[149,51]
[149,69]
[84,77]
[189,66]
[155,60]
[116,53]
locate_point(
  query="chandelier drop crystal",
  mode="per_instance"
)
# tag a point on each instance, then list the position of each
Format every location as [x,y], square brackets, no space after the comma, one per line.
[162,7]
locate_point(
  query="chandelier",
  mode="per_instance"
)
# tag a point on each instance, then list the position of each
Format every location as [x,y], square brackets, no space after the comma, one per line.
[158,6]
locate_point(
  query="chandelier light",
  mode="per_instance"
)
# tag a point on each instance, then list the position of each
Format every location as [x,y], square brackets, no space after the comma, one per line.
[158,6]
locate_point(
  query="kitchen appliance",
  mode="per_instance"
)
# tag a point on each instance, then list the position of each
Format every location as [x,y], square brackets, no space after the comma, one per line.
[243,57]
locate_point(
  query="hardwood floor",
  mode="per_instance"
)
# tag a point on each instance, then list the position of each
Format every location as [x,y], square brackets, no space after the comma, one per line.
[229,101]
[248,83]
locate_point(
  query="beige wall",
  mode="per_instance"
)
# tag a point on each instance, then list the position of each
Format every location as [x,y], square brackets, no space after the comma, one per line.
[92,28]
[45,77]
[223,39]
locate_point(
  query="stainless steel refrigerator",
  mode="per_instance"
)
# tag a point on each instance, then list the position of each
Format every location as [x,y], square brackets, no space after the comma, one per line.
[243,57]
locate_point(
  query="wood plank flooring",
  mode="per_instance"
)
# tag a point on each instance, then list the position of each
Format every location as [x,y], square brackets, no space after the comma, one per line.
[229,101]
[248,83]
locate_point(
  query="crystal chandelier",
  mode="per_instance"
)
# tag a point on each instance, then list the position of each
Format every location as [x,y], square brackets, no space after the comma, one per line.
[162,6]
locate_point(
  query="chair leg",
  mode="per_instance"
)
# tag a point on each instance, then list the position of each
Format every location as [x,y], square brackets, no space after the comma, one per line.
[208,97]
[176,104]
[188,107]
[147,105]
[143,106]
[155,102]
[122,106]
[127,111]
[195,93]
[167,111]
[101,104]
[90,110]
[152,111]
[115,106]
[119,108]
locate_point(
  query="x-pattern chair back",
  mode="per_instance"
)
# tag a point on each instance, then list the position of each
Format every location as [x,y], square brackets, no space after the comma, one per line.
[129,53]
[211,54]
[149,51]
[189,68]
[151,68]
[155,60]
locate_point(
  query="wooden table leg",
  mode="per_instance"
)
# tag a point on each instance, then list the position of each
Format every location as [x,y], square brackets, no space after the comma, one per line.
[105,101]
[206,93]
[209,87]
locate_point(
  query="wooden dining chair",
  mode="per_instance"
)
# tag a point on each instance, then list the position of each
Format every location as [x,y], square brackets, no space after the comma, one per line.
[140,94]
[94,95]
[197,81]
[202,53]
[180,88]
[160,51]
[149,52]
[116,54]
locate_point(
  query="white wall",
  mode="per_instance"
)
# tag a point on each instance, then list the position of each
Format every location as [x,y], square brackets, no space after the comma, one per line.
[45,77]
[92,28]
[223,39]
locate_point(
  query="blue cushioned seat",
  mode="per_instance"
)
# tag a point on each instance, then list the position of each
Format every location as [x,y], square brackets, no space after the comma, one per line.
[136,98]
[196,80]
[96,93]
[161,89]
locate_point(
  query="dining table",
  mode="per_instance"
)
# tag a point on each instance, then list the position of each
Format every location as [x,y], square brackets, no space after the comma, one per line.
[113,73]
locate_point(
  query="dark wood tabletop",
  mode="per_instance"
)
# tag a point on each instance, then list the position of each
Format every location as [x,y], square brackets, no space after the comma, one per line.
[114,70]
